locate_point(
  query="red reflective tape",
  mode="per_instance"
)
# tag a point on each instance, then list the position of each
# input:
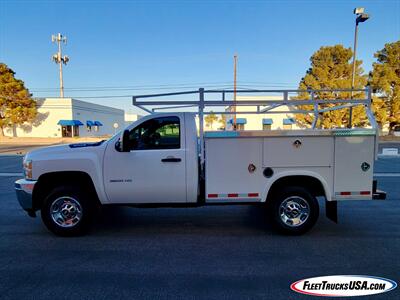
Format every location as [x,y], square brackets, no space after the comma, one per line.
[212,195]
[252,195]
[233,195]
[365,192]
[345,193]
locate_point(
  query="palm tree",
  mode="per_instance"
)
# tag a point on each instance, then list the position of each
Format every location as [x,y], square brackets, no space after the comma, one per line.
[210,119]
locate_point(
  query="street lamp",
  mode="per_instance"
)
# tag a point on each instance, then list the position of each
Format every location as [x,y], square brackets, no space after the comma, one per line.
[360,17]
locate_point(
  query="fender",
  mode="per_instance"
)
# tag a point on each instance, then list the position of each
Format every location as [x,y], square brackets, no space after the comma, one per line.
[283,174]
[65,158]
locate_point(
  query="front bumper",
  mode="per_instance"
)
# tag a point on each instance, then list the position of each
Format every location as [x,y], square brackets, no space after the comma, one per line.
[24,189]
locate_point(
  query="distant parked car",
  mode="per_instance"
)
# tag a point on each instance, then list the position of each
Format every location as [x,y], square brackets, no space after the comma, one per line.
[396,131]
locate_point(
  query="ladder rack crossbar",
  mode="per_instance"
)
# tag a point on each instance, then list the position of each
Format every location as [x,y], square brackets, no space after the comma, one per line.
[248,102]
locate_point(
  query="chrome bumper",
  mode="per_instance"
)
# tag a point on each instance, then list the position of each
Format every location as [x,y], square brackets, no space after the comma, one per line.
[24,190]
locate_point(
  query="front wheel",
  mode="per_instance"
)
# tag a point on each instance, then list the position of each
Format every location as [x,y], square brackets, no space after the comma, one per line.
[66,211]
[294,210]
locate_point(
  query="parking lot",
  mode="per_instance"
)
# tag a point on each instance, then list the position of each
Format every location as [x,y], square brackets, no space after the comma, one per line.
[209,252]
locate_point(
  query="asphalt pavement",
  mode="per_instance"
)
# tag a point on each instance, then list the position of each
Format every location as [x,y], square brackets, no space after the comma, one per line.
[226,252]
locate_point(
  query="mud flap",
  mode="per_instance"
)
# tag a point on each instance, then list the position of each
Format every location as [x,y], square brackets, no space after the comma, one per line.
[331,210]
[377,194]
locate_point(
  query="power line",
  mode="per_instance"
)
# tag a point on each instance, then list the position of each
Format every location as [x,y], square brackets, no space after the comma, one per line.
[144,86]
[162,86]
[239,88]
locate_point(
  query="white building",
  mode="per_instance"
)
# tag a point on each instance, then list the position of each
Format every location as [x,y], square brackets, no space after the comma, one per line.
[130,118]
[261,121]
[67,117]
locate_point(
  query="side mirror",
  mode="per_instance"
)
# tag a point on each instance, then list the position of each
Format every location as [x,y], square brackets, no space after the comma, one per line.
[125,141]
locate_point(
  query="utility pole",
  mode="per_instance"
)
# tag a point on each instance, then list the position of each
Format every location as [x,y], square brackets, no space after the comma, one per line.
[235,57]
[59,59]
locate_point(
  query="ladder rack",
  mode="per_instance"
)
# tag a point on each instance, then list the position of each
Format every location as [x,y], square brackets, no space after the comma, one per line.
[264,106]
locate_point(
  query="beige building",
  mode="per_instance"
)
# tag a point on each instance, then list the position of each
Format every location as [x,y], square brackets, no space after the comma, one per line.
[67,117]
[261,121]
[130,118]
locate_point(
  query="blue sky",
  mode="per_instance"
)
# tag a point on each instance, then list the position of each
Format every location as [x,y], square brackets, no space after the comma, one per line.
[159,44]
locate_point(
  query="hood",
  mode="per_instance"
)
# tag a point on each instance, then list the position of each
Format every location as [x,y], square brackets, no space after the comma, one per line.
[61,149]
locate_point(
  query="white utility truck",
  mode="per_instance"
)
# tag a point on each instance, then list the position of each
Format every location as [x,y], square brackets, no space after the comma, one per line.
[164,159]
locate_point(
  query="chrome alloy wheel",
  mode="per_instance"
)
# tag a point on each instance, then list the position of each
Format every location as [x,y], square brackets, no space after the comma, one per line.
[294,211]
[66,211]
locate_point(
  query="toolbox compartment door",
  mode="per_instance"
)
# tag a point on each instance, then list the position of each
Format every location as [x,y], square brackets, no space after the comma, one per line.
[227,168]
[354,161]
[310,151]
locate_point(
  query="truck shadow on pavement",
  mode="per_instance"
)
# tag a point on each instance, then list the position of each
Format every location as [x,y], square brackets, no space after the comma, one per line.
[213,220]
[238,220]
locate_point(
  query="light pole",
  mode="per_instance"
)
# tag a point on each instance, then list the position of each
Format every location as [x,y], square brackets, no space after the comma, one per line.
[59,59]
[360,17]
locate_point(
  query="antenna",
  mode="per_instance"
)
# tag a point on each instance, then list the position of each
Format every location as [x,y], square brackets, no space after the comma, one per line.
[59,59]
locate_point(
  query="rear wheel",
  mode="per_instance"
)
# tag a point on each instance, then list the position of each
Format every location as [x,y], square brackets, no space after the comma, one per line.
[294,210]
[67,211]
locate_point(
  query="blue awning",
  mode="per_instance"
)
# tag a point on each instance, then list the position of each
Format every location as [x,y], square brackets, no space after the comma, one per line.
[70,123]
[98,123]
[239,121]
[289,121]
[267,121]
[89,123]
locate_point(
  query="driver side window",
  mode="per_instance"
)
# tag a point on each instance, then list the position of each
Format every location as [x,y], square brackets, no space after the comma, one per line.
[158,133]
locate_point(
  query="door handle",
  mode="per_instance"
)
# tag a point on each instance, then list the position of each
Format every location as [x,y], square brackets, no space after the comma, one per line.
[171,159]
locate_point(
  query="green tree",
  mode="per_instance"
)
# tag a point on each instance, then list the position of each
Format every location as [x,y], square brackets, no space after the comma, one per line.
[210,119]
[385,79]
[16,104]
[331,68]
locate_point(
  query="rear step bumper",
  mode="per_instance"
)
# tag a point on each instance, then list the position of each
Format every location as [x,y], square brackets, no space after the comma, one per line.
[377,194]
[331,206]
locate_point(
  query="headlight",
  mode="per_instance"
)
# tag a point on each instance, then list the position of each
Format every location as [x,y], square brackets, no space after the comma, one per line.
[28,169]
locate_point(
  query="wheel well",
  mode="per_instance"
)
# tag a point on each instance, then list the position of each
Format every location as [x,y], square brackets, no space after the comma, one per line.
[312,184]
[49,181]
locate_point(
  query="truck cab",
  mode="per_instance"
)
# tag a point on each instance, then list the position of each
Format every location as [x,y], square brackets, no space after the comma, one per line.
[158,151]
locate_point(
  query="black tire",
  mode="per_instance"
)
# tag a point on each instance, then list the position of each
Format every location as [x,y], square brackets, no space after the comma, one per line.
[75,199]
[295,197]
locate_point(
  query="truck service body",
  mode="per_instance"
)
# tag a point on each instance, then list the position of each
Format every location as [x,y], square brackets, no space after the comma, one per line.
[164,159]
